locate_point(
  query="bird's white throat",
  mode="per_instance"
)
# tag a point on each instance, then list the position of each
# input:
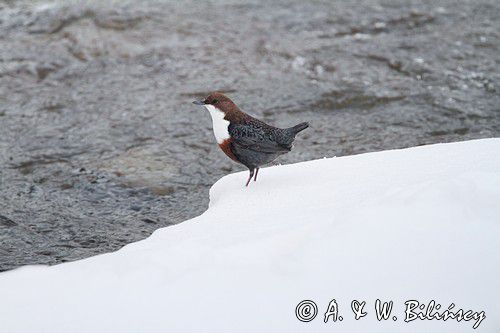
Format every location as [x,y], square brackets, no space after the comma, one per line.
[219,124]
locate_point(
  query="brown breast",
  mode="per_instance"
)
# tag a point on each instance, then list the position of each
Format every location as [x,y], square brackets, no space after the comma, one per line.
[226,148]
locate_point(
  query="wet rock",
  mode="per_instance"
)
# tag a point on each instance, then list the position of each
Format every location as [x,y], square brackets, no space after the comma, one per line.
[141,167]
[53,19]
[119,20]
[162,190]
[135,208]
[6,222]
[67,186]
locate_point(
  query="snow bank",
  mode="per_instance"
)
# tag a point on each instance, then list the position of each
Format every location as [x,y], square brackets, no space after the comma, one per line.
[414,224]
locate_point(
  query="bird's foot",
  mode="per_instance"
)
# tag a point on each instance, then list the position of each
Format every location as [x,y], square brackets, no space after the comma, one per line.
[250,177]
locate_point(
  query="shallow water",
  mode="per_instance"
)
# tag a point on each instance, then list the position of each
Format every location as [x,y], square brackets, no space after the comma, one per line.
[100,144]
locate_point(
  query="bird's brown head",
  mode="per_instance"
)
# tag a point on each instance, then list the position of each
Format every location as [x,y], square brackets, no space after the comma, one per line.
[220,101]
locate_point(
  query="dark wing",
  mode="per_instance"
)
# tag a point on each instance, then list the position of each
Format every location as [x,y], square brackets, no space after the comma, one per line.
[257,137]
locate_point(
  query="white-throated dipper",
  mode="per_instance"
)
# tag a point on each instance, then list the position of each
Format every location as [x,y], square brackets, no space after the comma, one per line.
[245,139]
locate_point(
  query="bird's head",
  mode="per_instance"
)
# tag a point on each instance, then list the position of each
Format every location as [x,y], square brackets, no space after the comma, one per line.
[219,101]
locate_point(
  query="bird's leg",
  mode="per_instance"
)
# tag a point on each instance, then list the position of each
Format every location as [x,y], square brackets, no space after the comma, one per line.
[256,172]
[250,177]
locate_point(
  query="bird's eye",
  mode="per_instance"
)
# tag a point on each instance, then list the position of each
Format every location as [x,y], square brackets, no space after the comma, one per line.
[215,101]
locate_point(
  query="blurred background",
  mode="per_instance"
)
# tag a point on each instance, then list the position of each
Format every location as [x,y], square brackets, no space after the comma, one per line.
[100,144]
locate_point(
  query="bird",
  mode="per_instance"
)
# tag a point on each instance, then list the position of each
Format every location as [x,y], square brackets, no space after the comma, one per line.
[245,139]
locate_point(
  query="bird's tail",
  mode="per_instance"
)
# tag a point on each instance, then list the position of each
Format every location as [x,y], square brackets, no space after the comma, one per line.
[300,127]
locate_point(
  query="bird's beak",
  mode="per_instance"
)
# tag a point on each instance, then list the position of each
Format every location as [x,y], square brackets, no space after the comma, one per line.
[198,103]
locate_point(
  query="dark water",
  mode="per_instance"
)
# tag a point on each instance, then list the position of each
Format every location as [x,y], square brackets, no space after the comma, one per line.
[100,144]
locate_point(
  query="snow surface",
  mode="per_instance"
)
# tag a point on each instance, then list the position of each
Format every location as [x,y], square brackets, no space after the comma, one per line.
[420,223]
